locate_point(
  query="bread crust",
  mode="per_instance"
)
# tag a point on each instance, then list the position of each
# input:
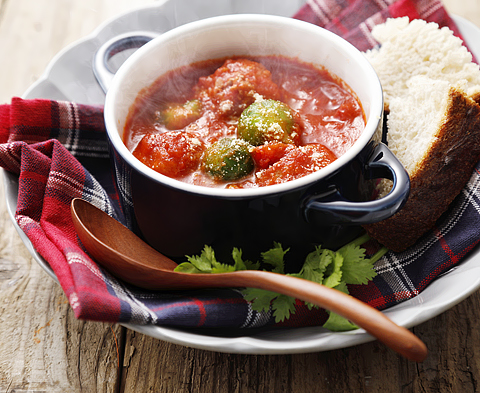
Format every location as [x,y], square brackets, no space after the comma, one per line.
[438,178]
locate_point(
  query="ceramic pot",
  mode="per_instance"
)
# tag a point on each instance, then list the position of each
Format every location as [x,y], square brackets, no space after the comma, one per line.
[326,207]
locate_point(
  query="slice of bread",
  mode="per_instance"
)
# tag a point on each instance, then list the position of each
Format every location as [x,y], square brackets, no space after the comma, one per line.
[415,48]
[433,123]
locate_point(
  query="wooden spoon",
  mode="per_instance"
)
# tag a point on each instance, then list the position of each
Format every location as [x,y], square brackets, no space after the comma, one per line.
[129,258]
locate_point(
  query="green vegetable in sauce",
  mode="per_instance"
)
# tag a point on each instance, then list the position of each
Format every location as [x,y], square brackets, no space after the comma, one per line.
[177,117]
[334,269]
[266,121]
[228,159]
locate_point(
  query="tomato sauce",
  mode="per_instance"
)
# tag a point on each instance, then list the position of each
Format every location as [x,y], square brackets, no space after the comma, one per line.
[173,123]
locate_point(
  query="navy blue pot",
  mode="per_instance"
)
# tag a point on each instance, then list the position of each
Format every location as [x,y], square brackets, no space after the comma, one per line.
[328,212]
[327,207]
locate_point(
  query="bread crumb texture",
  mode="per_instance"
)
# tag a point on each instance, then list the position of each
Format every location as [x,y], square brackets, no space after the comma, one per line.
[414,120]
[415,48]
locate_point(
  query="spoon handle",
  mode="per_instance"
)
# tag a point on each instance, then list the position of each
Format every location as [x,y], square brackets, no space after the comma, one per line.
[130,259]
[373,321]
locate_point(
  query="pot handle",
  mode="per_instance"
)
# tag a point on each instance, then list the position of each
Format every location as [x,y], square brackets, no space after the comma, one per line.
[118,44]
[335,209]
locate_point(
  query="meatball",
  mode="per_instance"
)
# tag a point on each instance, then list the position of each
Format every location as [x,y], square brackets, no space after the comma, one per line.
[235,85]
[170,153]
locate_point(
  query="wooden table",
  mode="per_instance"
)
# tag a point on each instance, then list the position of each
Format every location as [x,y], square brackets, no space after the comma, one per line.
[43,348]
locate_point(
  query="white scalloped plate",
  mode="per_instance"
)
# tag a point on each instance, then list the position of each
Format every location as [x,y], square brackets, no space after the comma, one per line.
[69,77]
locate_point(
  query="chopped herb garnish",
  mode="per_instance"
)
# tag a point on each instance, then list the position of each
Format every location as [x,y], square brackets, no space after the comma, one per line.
[334,269]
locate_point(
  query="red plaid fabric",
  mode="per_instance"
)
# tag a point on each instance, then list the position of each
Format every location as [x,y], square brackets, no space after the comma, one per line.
[354,19]
[59,151]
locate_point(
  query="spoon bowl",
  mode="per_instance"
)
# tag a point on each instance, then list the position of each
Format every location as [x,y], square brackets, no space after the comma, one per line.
[129,258]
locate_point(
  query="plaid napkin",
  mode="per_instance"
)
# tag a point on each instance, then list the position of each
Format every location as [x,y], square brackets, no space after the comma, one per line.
[59,151]
[354,19]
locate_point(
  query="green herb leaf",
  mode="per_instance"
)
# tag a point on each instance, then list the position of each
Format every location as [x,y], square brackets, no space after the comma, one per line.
[356,268]
[360,272]
[237,258]
[315,265]
[342,287]
[252,265]
[337,323]
[352,253]
[259,298]
[240,264]
[205,261]
[187,267]
[334,271]
[222,268]
[274,258]
[283,306]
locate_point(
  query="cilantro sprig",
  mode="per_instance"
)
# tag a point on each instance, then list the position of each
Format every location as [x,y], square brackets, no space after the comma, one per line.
[334,269]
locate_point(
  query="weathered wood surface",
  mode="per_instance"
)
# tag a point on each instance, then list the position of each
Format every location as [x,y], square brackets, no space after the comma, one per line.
[43,348]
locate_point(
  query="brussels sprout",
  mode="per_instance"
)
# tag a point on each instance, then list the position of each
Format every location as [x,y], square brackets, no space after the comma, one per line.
[228,159]
[266,121]
[176,117]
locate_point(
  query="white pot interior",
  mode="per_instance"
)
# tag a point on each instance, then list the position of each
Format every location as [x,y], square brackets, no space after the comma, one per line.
[242,35]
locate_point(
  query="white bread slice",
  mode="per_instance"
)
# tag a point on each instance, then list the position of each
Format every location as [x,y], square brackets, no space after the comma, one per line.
[433,126]
[415,119]
[420,48]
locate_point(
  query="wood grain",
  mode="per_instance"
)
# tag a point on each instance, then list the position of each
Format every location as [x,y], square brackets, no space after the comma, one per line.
[43,348]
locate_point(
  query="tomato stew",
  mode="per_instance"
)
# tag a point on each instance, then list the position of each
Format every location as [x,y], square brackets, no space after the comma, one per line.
[240,123]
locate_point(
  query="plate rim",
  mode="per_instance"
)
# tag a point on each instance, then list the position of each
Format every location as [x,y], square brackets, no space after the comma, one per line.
[264,342]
